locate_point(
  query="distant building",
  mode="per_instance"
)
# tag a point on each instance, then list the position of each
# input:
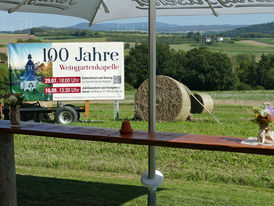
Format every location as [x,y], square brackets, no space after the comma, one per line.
[219,39]
[208,40]
[29,81]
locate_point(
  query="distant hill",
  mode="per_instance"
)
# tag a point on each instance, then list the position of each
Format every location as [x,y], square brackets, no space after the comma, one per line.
[267,28]
[224,30]
[161,27]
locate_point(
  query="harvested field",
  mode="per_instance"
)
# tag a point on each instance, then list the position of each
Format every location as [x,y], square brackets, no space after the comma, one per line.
[256,43]
[241,102]
[12,38]
[4,50]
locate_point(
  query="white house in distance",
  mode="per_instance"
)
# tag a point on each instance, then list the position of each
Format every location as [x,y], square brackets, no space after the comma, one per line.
[220,39]
[208,40]
[29,81]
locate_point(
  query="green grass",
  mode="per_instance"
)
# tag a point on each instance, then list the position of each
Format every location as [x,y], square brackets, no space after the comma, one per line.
[183,47]
[263,95]
[86,188]
[75,172]
[232,49]
[255,95]
[265,40]
[240,48]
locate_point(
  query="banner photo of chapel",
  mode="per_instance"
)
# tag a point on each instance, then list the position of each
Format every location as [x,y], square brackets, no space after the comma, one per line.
[27,71]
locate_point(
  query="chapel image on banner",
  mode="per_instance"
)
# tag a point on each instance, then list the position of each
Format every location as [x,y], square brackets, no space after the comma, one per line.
[29,80]
[27,71]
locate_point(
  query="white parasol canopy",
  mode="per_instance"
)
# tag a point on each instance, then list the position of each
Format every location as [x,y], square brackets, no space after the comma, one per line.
[111,9]
[85,9]
[103,10]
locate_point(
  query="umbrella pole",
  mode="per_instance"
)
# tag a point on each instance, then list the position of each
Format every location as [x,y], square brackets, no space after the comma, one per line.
[152,98]
[152,178]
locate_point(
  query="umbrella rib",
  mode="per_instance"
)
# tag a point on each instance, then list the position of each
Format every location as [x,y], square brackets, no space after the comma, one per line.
[11,10]
[211,7]
[105,7]
[93,17]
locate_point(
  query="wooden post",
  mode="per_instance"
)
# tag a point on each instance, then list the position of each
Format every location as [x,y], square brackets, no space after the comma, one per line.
[116,111]
[1,110]
[8,195]
[86,108]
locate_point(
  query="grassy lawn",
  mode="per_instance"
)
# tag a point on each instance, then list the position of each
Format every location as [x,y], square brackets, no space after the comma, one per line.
[240,47]
[72,188]
[265,95]
[231,49]
[265,40]
[183,47]
[74,172]
[255,95]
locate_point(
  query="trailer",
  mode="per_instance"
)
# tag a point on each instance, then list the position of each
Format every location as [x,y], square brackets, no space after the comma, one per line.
[63,114]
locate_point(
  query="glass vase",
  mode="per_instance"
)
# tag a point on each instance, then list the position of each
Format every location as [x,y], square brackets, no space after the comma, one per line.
[265,134]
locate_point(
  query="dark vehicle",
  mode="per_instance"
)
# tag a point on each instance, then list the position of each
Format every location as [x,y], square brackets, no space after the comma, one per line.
[35,112]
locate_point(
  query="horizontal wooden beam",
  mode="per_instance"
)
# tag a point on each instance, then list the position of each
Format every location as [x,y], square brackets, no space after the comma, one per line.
[178,140]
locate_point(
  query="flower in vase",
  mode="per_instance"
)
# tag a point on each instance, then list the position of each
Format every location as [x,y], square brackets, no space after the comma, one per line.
[263,114]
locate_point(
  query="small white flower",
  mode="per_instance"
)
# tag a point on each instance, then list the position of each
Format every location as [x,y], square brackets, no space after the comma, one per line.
[263,113]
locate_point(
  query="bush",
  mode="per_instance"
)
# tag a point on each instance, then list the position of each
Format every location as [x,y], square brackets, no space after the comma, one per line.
[3,58]
[4,79]
[127,46]
[259,87]
[128,87]
[199,69]
[208,71]
[28,40]
[269,79]
[240,86]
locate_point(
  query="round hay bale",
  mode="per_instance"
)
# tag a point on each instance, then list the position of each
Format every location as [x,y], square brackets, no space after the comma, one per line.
[172,100]
[205,99]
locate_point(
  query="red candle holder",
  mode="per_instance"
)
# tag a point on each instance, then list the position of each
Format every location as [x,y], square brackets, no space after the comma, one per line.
[126,128]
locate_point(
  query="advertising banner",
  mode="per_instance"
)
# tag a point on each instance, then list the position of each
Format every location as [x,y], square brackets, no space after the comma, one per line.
[67,71]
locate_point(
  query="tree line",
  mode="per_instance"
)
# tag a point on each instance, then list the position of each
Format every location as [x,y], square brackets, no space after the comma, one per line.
[165,38]
[4,79]
[65,33]
[252,31]
[4,76]
[202,69]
